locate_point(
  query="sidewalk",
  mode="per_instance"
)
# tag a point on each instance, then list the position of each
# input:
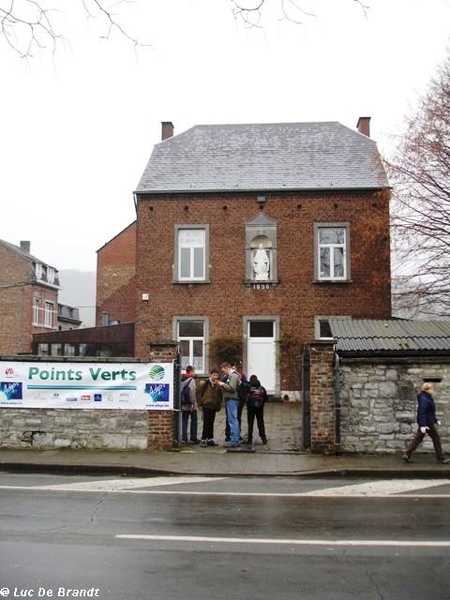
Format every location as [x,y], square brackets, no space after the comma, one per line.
[281,457]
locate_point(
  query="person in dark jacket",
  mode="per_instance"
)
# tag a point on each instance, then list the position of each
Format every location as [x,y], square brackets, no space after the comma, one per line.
[256,399]
[209,400]
[426,421]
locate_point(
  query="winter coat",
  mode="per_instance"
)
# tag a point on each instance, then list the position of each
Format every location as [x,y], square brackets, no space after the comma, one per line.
[426,410]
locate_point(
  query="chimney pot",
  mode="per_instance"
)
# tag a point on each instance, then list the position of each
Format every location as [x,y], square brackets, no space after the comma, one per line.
[363,126]
[166,130]
[25,246]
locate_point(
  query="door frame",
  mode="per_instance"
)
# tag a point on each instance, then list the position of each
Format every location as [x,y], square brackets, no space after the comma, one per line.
[276,336]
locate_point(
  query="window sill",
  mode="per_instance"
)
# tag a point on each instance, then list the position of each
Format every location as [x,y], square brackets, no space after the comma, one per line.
[332,281]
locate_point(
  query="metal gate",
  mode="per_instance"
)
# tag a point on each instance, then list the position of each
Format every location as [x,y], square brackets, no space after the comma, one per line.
[306,398]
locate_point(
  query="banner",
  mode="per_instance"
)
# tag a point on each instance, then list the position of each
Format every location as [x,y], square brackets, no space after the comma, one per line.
[124,386]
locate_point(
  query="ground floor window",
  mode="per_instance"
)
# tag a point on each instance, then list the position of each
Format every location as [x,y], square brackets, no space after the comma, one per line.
[191,334]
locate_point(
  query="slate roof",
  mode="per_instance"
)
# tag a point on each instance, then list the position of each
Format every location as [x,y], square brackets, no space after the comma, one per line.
[264,157]
[390,337]
[31,259]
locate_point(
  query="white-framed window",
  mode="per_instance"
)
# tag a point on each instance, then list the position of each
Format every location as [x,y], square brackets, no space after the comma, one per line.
[50,274]
[322,329]
[49,309]
[36,311]
[332,251]
[191,253]
[191,333]
[38,268]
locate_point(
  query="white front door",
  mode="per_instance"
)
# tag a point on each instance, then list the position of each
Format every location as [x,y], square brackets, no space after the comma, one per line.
[261,352]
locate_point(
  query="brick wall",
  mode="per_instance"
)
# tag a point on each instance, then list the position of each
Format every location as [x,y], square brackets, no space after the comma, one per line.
[323,415]
[116,287]
[297,299]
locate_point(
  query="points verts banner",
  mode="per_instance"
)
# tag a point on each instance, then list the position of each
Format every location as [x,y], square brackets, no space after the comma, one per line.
[129,386]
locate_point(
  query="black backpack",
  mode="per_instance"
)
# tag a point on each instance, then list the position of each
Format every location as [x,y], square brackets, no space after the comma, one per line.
[186,393]
[243,389]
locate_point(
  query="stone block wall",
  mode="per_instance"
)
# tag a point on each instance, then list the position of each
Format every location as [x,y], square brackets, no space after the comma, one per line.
[378,398]
[77,429]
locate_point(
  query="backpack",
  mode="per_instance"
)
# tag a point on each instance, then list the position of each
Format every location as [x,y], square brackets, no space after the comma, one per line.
[185,393]
[242,390]
[256,397]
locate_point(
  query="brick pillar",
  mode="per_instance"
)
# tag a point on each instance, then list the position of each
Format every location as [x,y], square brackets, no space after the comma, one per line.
[162,425]
[322,397]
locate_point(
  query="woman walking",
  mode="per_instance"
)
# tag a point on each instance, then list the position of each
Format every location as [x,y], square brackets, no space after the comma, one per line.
[426,421]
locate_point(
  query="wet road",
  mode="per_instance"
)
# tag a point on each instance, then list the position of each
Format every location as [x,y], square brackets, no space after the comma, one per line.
[170,538]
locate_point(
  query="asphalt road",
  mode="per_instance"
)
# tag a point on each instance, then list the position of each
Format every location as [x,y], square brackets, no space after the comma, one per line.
[170,538]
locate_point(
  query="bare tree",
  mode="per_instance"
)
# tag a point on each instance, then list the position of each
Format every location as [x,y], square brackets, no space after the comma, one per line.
[250,11]
[420,174]
[28,25]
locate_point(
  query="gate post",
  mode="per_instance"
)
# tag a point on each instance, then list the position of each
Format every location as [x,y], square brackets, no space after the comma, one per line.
[163,424]
[322,398]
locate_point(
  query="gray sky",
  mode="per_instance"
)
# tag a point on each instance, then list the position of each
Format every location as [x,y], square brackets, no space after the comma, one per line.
[78,127]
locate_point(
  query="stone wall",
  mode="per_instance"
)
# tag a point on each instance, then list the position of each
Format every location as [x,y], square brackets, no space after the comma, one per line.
[378,398]
[76,429]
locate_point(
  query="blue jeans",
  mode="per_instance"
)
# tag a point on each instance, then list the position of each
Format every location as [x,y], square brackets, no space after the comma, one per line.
[232,406]
[185,414]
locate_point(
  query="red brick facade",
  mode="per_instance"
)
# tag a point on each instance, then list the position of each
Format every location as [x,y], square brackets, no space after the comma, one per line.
[18,288]
[116,288]
[226,299]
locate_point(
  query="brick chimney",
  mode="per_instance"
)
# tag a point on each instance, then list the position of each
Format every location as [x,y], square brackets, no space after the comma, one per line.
[363,126]
[166,130]
[25,246]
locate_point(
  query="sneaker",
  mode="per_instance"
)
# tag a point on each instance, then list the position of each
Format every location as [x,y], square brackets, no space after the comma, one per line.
[234,448]
[443,461]
[184,441]
[211,443]
[203,443]
[406,458]
[227,444]
[196,441]
[264,440]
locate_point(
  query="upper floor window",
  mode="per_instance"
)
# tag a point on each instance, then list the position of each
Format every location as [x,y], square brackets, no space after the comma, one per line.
[38,267]
[36,310]
[48,314]
[332,252]
[50,274]
[191,253]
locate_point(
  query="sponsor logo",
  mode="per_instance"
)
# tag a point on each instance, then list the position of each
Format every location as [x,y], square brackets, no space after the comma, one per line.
[9,372]
[56,396]
[71,399]
[157,372]
[11,390]
[97,397]
[85,398]
[158,392]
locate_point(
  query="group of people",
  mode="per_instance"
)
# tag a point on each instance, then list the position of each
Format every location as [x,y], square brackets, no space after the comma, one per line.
[223,387]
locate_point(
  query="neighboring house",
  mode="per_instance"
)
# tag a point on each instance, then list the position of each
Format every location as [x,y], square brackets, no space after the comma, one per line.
[116,286]
[260,232]
[68,317]
[28,297]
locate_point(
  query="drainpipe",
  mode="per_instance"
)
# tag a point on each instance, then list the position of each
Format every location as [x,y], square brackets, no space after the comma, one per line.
[337,404]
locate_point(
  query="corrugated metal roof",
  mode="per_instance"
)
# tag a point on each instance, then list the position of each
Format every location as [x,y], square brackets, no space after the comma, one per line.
[262,157]
[390,336]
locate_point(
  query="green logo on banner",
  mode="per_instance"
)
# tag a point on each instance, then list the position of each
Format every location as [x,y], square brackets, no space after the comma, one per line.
[157,373]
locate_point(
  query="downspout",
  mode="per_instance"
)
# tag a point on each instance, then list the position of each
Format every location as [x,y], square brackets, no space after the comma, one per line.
[337,404]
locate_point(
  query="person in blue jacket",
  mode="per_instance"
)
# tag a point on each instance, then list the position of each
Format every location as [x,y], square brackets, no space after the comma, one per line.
[426,421]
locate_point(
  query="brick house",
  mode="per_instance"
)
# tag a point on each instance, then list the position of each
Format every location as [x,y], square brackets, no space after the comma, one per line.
[28,297]
[116,286]
[261,233]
